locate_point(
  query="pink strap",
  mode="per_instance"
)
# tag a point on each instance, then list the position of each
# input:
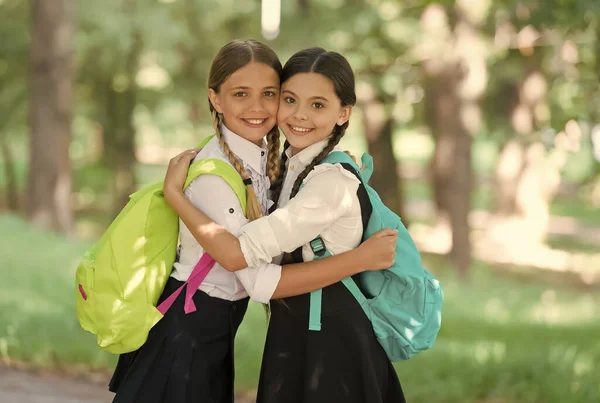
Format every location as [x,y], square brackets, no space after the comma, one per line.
[198,275]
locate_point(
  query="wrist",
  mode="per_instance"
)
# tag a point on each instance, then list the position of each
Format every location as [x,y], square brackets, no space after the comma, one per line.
[172,196]
[360,261]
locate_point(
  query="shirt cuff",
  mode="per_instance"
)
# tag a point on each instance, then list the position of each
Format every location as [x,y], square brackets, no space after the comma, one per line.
[265,282]
[266,247]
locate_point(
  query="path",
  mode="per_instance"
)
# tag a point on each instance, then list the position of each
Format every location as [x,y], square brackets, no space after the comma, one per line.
[19,386]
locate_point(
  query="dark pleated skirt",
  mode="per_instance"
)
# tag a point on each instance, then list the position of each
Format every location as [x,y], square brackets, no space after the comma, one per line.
[343,362]
[187,358]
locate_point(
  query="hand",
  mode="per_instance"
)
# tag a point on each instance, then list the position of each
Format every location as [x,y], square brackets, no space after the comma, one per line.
[351,156]
[379,250]
[177,172]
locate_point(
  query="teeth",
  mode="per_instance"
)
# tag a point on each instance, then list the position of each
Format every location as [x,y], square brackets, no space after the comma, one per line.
[301,129]
[255,121]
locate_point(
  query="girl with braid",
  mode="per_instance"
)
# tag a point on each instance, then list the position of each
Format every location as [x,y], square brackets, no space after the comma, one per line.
[189,357]
[343,362]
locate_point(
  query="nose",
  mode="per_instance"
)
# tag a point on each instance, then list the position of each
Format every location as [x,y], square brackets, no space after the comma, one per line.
[300,114]
[257,104]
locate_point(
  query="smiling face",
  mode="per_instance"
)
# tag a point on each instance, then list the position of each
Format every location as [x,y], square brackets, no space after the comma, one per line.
[248,101]
[309,109]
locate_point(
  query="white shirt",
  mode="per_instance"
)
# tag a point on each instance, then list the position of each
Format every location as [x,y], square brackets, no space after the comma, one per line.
[327,205]
[213,196]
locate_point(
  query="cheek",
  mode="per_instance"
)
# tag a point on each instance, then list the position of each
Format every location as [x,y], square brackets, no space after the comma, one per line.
[324,122]
[283,113]
[272,107]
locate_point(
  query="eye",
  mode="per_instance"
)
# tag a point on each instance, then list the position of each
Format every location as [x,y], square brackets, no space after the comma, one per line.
[289,100]
[318,105]
[270,94]
[240,94]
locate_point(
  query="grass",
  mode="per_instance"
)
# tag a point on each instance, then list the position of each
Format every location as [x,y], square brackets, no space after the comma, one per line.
[501,340]
[37,320]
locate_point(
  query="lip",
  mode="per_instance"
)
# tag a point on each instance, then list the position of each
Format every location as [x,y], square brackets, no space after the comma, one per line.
[299,133]
[247,122]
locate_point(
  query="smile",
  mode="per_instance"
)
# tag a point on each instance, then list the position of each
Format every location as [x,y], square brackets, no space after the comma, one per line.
[254,122]
[300,130]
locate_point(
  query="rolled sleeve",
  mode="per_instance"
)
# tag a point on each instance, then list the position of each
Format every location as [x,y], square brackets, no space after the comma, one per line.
[259,243]
[260,282]
[326,196]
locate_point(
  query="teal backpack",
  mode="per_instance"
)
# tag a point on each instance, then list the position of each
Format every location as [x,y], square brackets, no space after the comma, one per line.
[404,302]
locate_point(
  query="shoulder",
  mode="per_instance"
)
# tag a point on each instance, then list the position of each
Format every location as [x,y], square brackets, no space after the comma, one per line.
[211,150]
[333,174]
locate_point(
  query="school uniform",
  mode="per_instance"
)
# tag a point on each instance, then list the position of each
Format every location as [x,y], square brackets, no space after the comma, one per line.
[189,357]
[343,362]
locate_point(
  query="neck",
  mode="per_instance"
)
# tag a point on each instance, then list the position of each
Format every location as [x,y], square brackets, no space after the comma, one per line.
[295,150]
[257,142]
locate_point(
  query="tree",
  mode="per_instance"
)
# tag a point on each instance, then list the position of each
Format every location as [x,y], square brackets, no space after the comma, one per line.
[49,190]
[14,54]
[455,77]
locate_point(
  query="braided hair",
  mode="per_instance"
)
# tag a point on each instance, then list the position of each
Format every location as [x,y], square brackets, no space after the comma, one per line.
[336,68]
[232,57]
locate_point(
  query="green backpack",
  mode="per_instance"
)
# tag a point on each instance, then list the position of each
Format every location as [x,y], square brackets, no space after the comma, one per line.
[404,302]
[121,278]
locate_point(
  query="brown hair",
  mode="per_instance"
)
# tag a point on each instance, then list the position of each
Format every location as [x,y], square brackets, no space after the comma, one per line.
[232,57]
[336,68]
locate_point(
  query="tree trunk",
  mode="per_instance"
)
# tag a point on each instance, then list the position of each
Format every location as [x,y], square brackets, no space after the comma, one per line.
[50,178]
[451,163]
[119,142]
[12,197]
[304,6]
[454,84]
[378,130]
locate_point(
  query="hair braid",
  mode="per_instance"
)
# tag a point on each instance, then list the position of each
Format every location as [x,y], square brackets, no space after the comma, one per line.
[253,207]
[273,154]
[277,185]
[336,136]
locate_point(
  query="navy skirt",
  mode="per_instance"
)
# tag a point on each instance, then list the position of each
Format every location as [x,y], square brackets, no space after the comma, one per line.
[187,357]
[343,362]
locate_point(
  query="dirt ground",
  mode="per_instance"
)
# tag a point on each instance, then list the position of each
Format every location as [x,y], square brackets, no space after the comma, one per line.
[21,386]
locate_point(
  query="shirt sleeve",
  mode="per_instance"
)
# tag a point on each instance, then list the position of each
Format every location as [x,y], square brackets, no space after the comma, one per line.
[328,193]
[213,196]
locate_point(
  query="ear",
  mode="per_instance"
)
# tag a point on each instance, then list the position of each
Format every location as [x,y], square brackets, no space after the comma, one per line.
[215,100]
[344,115]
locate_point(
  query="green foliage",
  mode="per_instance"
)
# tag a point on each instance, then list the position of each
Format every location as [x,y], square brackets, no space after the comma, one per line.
[501,340]
[14,55]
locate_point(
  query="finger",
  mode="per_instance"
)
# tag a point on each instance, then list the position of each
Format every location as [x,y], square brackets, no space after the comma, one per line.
[351,156]
[385,232]
[187,156]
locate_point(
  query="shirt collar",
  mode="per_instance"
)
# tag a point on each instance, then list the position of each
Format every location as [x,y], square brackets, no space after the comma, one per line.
[246,151]
[306,156]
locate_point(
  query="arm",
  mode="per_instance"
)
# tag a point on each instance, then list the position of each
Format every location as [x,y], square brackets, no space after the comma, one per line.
[267,281]
[216,240]
[324,199]
[376,253]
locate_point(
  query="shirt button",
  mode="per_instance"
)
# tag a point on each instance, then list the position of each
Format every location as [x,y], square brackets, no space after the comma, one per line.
[292,168]
[262,153]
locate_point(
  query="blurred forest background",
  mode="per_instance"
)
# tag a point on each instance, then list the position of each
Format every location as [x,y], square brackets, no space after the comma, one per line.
[483,118]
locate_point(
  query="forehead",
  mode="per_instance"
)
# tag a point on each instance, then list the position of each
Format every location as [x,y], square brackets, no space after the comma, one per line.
[253,74]
[310,85]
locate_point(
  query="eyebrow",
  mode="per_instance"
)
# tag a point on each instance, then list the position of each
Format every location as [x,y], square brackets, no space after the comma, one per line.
[241,87]
[314,98]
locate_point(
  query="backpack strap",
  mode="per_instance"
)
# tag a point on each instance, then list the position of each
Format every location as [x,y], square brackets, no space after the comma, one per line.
[210,166]
[214,166]
[320,250]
